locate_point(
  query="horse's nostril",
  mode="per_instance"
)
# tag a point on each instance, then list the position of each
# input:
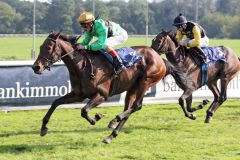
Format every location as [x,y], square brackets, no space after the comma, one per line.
[36,68]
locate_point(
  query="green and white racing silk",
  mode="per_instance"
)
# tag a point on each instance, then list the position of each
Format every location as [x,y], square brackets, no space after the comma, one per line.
[99,30]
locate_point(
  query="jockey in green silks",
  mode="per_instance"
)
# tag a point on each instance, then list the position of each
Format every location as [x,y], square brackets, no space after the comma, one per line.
[108,33]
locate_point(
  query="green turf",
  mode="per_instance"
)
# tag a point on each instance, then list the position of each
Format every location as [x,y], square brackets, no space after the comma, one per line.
[19,48]
[156,132]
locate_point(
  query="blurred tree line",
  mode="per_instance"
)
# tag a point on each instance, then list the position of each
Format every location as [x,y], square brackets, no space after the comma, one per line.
[220,18]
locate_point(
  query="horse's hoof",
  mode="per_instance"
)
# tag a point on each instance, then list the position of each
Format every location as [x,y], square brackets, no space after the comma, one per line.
[98,116]
[93,122]
[107,140]
[205,101]
[43,131]
[208,119]
[192,117]
[112,125]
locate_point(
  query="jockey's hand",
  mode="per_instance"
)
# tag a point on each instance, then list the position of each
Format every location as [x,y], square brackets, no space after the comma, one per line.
[79,47]
[181,43]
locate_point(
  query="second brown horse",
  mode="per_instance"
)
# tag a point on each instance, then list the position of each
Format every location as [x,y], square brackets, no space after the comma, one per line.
[166,43]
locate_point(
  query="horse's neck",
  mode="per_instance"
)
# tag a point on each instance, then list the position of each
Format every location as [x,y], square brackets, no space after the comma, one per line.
[67,48]
[69,57]
[172,55]
[178,58]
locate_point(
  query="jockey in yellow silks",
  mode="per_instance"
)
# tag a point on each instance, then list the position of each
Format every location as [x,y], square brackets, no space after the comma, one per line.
[195,34]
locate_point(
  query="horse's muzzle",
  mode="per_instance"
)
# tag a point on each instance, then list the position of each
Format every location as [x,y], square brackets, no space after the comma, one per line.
[37,69]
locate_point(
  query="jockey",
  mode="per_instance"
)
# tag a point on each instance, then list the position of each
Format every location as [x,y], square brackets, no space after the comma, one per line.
[195,35]
[109,34]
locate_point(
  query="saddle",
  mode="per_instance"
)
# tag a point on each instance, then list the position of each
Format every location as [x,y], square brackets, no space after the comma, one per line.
[207,55]
[128,55]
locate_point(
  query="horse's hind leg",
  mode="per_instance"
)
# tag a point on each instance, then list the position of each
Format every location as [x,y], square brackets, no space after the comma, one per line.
[68,98]
[116,130]
[220,99]
[95,101]
[213,87]
[129,99]
[133,103]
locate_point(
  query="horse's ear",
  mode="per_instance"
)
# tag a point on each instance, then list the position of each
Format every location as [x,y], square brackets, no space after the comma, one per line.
[58,34]
[163,31]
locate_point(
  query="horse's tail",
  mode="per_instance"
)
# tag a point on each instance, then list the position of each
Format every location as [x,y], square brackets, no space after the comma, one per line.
[180,76]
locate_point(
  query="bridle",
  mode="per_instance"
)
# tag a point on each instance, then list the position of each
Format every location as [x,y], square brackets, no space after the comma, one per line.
[159,49]
[51,61]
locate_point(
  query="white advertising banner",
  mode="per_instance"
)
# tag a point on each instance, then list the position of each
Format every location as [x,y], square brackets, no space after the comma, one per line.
[20,87]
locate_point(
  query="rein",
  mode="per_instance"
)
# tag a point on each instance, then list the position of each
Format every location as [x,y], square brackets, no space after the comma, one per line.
[51,61]
[166,52]
[86,55]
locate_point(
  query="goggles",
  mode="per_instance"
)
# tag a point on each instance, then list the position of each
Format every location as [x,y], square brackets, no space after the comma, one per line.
[84,25]
[181,26]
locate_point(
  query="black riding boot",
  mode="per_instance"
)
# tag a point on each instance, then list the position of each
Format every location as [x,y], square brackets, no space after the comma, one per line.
[118,64]
[201,55]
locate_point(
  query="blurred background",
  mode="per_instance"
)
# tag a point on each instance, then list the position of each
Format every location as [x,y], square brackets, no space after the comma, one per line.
[26,23]
[220,18]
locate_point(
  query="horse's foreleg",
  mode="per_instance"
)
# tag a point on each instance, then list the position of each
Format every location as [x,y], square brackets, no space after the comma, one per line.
[193,109]
[68,98]
[181,100]
[201,105]
[95,101]
[189,103]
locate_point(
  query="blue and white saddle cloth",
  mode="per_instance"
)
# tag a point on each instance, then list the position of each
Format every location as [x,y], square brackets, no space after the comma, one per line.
[214,54]
[128,55]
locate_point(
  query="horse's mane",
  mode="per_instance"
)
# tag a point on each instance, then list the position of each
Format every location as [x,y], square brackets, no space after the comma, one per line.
[61,36]
[172,35]
[183,50]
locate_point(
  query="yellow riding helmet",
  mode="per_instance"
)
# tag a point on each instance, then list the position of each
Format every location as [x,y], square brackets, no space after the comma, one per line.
[86,17]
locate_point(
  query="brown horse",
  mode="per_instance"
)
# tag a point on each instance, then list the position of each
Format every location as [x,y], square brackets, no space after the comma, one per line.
[92,77]
[165,42]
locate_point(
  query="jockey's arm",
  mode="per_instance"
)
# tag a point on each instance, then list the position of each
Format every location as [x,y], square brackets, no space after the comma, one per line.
[87,38]
[179,36]
[197,38]
[102,39]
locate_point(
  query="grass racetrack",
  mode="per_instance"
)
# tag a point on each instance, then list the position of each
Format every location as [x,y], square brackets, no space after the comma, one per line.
[156,132]
[19,48]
